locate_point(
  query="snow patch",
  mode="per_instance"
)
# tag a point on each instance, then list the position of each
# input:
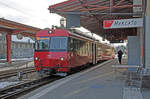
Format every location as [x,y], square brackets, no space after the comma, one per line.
[24,39]
[6,84]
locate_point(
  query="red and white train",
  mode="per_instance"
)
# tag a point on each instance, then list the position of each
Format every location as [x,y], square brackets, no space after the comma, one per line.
[61,50]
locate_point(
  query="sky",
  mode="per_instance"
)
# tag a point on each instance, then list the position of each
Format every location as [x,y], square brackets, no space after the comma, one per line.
[31,12]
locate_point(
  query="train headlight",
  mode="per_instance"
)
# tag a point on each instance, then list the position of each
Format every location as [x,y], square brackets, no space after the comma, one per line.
[61,58]
[36,58]
[50,31]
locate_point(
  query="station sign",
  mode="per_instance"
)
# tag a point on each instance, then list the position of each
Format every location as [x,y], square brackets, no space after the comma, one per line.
[123,23]
[0,34]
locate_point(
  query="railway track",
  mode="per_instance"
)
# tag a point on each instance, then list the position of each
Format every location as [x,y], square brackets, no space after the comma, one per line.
[13,92]
[14,72]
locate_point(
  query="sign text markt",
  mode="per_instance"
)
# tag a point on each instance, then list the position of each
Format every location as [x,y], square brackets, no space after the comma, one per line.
[123,23]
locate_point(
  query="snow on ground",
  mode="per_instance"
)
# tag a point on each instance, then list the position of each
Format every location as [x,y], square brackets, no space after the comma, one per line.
[19,59]
[3,63]
[4,68]
[6,84]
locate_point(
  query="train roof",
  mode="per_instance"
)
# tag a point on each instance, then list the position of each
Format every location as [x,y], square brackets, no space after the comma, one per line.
[80,34]
[64,32]
[74,32]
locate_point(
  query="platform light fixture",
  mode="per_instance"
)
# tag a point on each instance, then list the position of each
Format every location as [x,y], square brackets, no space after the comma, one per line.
[62,22]
[50,31]
[104,37]
[1,34]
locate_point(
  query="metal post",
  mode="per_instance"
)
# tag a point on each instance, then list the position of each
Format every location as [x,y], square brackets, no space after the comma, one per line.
[111,5]
[20,75]
[26,67]
[143,32]
[147,34]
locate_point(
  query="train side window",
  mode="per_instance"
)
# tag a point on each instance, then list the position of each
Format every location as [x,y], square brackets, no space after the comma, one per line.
[78,46]
[0,46]
[70,43]
[75,44]
[82,52]
[84,48]
[87,48]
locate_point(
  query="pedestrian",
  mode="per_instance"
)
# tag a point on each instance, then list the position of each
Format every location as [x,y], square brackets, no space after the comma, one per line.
[120,53]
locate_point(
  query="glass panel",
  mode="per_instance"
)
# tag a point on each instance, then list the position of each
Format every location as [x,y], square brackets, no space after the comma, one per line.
[42,43]
[58,44]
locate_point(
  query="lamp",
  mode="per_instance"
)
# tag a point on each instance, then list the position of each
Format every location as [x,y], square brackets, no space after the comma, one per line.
[1,34]
[104,37]
[62,22]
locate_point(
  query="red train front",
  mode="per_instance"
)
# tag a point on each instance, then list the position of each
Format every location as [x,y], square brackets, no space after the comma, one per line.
[51,51]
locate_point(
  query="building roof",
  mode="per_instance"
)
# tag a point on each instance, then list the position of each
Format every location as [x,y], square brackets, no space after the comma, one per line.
[93,12]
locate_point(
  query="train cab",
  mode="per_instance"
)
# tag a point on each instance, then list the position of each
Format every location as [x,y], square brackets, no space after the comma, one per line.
[51,51]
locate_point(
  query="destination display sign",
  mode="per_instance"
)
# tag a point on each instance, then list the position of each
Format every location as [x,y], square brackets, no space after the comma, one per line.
[116,41]
[123,23]
[42,38]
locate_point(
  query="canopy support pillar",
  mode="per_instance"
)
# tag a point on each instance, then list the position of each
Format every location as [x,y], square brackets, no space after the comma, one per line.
[8,39]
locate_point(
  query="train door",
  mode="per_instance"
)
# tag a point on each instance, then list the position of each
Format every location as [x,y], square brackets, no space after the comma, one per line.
[94,53]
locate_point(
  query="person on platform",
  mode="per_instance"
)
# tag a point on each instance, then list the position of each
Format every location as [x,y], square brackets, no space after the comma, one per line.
[120,53]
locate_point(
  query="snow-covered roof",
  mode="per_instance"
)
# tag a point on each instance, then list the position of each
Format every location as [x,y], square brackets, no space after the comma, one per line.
[24,39]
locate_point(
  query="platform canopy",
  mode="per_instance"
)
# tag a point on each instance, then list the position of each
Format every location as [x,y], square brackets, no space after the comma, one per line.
[94,12]
[14,28]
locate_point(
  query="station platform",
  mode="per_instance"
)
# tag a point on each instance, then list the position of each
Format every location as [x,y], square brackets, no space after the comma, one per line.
[98,82]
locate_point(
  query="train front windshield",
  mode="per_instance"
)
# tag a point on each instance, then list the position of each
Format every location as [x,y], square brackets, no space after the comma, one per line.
[58,43]
[42,43]
[51,44]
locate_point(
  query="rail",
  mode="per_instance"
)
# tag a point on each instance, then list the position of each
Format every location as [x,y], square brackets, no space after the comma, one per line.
[19,89]
[14,72]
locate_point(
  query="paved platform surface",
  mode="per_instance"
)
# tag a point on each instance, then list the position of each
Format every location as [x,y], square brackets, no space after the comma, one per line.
[99,82]
[146,93]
